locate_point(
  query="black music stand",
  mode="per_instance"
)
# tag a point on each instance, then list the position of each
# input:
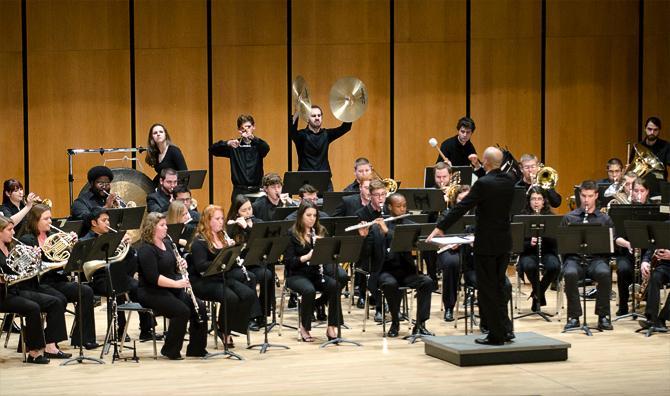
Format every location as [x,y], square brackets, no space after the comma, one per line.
[336,250]
[337,225]
[81,252]
[424,199]
[222,263]
[538,226]
[193,179]
[664,187]
[282,212]
[652,235]
[175,230]
[333,199]
[126,218]
[66,225]
[261,252]
[582,240]
[293,181]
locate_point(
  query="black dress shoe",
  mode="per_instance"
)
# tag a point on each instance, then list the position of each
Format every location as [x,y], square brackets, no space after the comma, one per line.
[91,345]
[59,355]
[604,323]
[487,341]
[509,336]
[422,330]
[572,323]
[393,330]
[199,354]
[360,303]
[146,336]
[292,302]
[37,360]
[622,311]
[378,317]
[321,312]
[535,306]
[174,357]
[253,325]
[645,324]
[449,315]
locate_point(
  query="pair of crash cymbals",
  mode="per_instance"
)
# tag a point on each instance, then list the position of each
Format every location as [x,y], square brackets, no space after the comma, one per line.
[348,99]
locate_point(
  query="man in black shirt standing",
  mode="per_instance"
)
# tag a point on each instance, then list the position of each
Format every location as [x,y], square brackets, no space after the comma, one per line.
[98,194]
[246,157]
[159,200]
[459,149]
[312,143]
[362,170]
[529,168]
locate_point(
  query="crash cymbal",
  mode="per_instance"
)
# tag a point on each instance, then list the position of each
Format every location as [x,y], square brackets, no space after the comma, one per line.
[348,99]
[301,100]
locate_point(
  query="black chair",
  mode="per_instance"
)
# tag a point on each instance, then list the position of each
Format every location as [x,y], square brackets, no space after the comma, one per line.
[9,316]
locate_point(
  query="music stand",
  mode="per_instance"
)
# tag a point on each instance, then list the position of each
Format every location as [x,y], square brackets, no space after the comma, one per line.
[193,179]
[261,252]
[651,235]
[81,252]
[126,218]
[222,263]
[333,199]
[424,199]
[336,250]
[537,226]
[584,239]
[70,225]
[664,187]
[337,225]
[293,181]
[175,230]
[282,212]
[518,200]
[269,229]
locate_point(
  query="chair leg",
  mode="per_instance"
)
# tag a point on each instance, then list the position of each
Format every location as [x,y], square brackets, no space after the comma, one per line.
[215,325]
[381,293]
[299,317]
[23,340]
[281,309]
[366,309]
[153,333]
[9,316]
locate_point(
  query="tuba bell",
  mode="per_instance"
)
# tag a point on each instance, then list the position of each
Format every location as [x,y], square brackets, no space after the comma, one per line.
[643,162]
[90,267]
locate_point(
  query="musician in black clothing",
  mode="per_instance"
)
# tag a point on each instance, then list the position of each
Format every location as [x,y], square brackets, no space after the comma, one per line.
[598,268]
[25,298]
[159,200]
[614,171]
[98,194]
[362,171]
[459,150]
[183,193]
[178,214]
[657,276]
[209,240]
[240,221]
[312,142]
[161,153]
[659,147]
[264,207]
[353,203]
[306,277]
[308,192]
[99,225]
[442,177]
[398,269]
[15,204]
[492,195]
[55,282]
[246,155]
[537,203]
[162,289]
[529,168]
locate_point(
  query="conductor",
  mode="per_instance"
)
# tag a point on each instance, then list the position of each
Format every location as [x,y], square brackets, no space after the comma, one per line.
[492,195]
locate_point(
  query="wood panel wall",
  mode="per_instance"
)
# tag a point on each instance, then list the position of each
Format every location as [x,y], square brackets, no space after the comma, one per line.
[79,79]
[11,91]
[591,86]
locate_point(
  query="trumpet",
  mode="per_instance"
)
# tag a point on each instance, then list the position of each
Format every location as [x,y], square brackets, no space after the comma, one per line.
[184,275]
[120,203]
[371,223]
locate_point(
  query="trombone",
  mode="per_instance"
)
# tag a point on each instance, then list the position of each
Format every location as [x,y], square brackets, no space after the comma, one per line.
[390,184]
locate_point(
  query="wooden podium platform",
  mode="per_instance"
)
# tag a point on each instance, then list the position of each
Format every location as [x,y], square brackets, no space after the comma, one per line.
[527,348]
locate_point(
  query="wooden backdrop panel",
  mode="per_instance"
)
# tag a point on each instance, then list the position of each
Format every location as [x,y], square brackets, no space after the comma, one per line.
[78,69]
[171,78]
[429,82]
[506,73]
[249,77]
[11,91]
[656,68]
[591,87]
[352,41]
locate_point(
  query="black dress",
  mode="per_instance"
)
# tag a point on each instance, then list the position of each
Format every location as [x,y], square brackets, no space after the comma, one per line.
[173,159]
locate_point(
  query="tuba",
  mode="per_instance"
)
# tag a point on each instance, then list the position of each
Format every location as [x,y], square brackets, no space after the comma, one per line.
[24,261]
[643,162]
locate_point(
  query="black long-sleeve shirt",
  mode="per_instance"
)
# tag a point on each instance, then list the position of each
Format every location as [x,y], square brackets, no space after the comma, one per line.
[154,262]
[264,209]
[312,148]
[246,162]
[85,203]
[661,150]
[158,201]
[458,153]
[173,159]
[10,210]
[294,251]
[553,196]
[202,257]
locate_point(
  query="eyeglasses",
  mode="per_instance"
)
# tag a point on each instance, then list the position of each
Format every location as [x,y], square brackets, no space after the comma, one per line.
[378,195]
[103,184]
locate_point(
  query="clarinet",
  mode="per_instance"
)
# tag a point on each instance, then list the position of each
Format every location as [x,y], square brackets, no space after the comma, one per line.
[539,239]
[238,259]
[184,274]
[323,280]
[586,215]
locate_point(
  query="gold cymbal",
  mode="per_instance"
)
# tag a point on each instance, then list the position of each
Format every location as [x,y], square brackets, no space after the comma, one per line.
[301,100]
[348,99]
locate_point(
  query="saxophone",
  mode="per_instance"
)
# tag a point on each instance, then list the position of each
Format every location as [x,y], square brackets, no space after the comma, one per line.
[645,282]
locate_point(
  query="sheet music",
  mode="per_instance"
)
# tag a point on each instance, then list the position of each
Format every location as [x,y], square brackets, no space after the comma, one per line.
[454,240]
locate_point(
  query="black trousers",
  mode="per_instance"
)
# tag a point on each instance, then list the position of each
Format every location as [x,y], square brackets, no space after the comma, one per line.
[69,292]
[265,281]
[530,266]
[597,269]
[450,265]
[389,282]
[491,280]
[307,284]
[431,260]
[237,274]
[659,276]
[31,304]
[239,299]
[624,278]
[177,306]
[101,287]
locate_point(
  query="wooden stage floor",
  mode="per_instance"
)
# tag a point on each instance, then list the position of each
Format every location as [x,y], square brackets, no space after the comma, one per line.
[617,362]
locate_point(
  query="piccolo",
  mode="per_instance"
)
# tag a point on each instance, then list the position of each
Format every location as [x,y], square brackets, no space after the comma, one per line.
[370,223]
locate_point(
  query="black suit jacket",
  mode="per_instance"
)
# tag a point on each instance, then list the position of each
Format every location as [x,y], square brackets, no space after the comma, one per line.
[492,195]
[158,201]
[349,206]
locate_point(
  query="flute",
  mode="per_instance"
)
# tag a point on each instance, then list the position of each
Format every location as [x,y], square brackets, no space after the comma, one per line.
[370,223]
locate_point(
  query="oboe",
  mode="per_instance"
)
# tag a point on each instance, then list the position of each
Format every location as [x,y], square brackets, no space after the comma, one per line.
[184,275]
[323,280]
[586,214]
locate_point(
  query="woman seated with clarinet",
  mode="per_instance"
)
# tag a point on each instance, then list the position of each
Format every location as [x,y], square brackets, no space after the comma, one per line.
[239,298]
[529,262]
[306,277]
[165,288]
[240,221]
[56,282]
[24,298]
